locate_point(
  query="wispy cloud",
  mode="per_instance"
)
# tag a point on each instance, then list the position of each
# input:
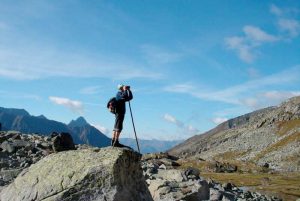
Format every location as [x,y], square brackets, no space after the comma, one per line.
[257,35]
[240,45]
[253,73]
[239,94]
[247,44]
[172,119]
[23,63]
[73,105]
[287,23]
[157,55]
[291,26]
[184,128]
[91,90]
[102,129]
[20,95]
[275,10]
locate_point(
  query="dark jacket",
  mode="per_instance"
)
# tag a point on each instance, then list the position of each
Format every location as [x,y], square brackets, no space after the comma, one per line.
[122,97]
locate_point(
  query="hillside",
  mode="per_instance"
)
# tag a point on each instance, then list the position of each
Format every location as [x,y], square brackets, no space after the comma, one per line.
[269,136]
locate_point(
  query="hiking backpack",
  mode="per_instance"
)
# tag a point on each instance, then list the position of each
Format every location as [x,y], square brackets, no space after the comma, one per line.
[112,105]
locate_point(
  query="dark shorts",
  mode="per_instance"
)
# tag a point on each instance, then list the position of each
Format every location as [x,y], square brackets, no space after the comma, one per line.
[119,122]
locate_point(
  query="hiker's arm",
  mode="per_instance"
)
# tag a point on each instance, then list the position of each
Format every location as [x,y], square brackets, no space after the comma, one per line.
[129,95]
[122,96]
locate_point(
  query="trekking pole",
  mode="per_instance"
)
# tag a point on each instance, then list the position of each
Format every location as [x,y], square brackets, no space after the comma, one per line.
[137,143]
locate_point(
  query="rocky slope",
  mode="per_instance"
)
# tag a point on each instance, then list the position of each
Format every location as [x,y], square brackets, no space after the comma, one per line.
[269,137]
[31,170]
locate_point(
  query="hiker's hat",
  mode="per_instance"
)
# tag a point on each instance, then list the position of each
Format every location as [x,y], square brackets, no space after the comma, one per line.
[120,86]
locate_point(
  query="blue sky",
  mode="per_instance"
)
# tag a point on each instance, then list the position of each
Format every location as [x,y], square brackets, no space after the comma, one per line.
[191,64]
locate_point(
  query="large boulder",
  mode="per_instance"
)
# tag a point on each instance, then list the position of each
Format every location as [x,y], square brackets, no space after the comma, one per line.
[90,174]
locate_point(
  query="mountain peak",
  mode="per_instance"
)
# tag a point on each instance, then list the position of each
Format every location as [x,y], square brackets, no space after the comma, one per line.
[41,117]
[14,111]
[79,122]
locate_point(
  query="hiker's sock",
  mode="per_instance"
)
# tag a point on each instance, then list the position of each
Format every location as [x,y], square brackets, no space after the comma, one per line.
[112,141]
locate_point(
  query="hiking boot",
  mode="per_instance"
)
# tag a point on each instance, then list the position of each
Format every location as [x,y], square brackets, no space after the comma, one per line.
[118,144]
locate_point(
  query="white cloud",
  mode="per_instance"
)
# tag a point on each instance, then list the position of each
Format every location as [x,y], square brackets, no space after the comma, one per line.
[219,120]
[253,37]
[243,49]
[256,34]
[186,129]
[73,105]
[275,10]
[289,25]
[173,120]
[247,44]
[192,129]
[102,129]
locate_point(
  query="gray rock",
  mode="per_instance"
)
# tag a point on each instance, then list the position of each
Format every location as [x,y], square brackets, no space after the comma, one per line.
[192,173]
[6,146]
[62,142]
[89,174]
[9,175]
[215,195]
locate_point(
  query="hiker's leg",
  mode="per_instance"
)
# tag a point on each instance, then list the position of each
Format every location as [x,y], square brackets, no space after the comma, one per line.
[118,135]
[113,138]
[118,128]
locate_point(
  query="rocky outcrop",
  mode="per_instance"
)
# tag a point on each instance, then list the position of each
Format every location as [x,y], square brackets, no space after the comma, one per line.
[270,135]
[18,151]
[88,174]
[167,183]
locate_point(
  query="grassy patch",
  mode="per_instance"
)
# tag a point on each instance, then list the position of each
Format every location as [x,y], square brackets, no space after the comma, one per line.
[285,126]
[208,166]
[285,186]
[278,145]
[230,155]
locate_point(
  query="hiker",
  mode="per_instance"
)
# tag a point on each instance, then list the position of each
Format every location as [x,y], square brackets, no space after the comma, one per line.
[124,94]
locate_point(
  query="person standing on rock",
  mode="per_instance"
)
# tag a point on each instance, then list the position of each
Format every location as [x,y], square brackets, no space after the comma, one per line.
[124,94]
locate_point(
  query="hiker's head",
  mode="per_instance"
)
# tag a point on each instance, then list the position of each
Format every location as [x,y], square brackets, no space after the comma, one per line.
[121,86]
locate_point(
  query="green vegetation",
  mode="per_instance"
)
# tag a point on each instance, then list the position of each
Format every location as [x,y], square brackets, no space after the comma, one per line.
[285,186]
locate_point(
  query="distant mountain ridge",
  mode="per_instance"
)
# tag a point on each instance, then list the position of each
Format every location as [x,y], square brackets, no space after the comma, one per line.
[150,146]
[81,131]
[270,135]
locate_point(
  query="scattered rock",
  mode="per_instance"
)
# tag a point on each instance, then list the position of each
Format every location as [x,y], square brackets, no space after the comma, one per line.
[62,142]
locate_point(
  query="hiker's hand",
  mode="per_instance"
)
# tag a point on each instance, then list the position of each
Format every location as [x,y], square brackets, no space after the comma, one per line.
[126,88]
